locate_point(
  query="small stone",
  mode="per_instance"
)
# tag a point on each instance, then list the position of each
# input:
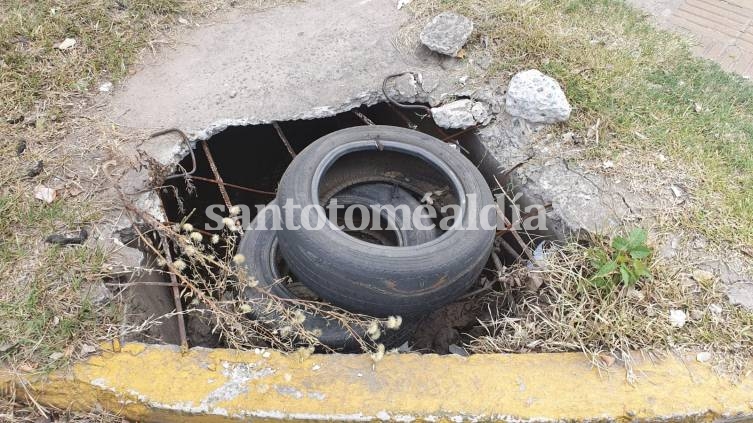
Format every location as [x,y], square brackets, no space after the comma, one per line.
[98,294]
[458,350]
[447,33]
[36,169]
[715,309]
[183,21]
[455,115]
[480,113]
[703,357]
[536,97]
[677,318]
[56,356]
[316,367]
[66,44]
[402,3]
[88,349]
[21,147]
[48,195]
[105,87]
[608,164]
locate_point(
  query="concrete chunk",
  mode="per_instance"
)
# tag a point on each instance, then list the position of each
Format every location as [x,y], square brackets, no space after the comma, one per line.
[447,33]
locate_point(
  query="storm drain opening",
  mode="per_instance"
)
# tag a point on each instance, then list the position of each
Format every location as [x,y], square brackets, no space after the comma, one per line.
[250,162]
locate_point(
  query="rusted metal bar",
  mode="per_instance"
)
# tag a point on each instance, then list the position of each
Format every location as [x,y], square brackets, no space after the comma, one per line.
[515,234]
[402,116]
[216,173]
[284,139]
[184,137]
[176,299]
[229,185]
[363,117]
[509,225]
[498,264]
[509,248]
[453,136]
[445,136]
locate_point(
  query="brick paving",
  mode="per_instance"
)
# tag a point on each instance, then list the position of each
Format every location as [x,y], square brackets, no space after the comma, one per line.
[722,28]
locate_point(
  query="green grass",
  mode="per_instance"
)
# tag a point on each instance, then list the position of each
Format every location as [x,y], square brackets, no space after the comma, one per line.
[643,84]
[109,35]
[43,302]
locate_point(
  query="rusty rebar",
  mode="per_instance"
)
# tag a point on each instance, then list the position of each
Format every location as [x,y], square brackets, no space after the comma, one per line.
[509,248]
[176,299]
[457,134]
[227,184]
[216,173]
[363,117]
[184,137]
[284,139]
[514,233]
[408,121]
[395,102]
[445,136]
[509,225]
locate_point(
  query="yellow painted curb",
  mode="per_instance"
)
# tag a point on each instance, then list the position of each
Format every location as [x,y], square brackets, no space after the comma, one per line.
[161,384]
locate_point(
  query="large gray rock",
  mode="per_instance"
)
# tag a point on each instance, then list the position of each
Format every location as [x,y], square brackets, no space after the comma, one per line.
[536,97]
[447,33]
[460,114]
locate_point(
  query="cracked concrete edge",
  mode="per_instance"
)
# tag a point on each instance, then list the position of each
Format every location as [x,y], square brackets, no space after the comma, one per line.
[578,203]
[366,98]
[161,384]
[507,138]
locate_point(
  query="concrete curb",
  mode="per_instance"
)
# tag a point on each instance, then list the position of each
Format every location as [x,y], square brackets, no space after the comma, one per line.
[160,384]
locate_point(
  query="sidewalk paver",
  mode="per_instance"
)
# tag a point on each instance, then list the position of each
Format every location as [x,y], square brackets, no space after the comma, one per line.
[723,29]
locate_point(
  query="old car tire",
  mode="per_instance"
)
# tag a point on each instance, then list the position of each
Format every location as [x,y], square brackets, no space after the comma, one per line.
[385,280]
[260,247]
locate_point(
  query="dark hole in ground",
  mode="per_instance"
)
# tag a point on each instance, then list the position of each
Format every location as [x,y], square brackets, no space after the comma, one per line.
[255,157]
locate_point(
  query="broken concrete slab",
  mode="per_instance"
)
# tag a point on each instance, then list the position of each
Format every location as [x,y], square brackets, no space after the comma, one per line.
[536,97]
[578,204]
[460,114]
[447,33]
[298,61]
[455,115]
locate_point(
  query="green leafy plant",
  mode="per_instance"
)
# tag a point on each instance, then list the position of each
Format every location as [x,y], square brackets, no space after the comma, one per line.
[624,261]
